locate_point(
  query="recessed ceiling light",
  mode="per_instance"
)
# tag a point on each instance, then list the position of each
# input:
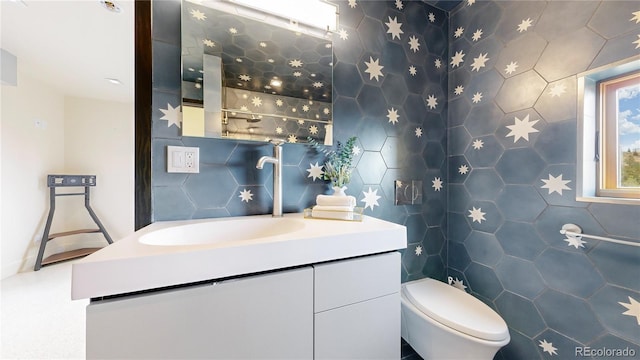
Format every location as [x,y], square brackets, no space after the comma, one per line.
[276,82]
[111,6]
[114,81]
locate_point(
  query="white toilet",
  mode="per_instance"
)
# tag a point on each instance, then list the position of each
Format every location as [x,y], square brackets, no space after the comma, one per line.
[440,321]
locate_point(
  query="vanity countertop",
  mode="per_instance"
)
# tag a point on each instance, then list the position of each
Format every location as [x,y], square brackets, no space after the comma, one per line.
[181,252]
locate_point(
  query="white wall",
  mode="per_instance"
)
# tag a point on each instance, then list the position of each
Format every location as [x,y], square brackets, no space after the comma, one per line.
[99,141]
[28,154]
[76,136]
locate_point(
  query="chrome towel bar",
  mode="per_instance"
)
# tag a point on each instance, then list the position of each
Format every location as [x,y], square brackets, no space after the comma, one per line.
[574,231]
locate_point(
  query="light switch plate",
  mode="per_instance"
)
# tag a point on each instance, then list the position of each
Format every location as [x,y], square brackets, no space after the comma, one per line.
[182,159]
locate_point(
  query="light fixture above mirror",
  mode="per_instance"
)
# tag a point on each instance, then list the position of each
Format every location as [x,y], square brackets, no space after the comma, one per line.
[317,13]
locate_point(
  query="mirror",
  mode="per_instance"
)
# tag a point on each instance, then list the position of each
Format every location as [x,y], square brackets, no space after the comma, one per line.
[243,78]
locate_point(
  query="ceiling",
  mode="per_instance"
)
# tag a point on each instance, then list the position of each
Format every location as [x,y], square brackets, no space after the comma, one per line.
[73,45]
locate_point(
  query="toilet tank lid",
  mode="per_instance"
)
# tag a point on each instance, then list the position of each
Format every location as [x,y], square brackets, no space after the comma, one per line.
[456,309]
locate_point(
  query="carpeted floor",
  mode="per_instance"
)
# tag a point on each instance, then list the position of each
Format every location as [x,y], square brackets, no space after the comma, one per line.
[38,319]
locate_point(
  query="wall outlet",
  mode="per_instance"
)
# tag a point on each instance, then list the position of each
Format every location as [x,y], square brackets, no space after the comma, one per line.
[182,159]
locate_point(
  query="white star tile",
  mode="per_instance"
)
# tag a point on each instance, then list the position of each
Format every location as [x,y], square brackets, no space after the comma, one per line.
[477,215]
[575,241]
[524,25]
[522,128]
[172,115]
[393,116]
[256,101]
[477,97]
[374,69]
[343,34]
[437,184]
[557,90]
[633,308]
[479,62]
[511,68]
[370,198]
[414,44]
[315,171]
[457,283]
[394,28]
[555,184]
[548,347]
[197,14]
[477,35]
[432,102]
[246,195]
[457,59]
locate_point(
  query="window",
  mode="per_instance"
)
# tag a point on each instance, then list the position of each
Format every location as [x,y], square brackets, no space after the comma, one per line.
[619,165]
[608,168]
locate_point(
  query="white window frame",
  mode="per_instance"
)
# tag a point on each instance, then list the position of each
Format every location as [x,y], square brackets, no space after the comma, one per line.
[589,175]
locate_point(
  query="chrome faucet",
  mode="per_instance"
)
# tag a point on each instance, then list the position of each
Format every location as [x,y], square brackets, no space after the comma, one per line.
[276,160]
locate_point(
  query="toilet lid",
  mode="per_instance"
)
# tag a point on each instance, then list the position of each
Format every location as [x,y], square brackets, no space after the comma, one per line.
[456,309]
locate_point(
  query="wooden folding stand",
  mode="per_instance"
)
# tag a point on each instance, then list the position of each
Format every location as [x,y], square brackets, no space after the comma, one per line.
[55,181]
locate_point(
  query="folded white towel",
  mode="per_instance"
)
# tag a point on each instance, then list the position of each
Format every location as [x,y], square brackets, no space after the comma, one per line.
[338,215]
[330,200]
[333,208]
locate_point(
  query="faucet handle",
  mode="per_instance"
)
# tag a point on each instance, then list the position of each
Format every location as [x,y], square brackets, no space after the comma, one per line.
[277,142]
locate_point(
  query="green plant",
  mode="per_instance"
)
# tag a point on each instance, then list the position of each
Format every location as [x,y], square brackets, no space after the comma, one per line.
[337,166]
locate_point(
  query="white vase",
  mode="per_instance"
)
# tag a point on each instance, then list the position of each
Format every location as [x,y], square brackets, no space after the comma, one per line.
[339,191]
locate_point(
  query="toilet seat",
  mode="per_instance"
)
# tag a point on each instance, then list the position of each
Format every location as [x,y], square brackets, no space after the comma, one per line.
[456,309]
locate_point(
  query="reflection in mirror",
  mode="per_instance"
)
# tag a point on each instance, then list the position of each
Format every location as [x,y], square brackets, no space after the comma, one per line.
[246,79]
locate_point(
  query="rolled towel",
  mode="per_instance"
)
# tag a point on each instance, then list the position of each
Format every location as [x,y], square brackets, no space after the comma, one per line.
[338,215]
[330,200]
[333,208]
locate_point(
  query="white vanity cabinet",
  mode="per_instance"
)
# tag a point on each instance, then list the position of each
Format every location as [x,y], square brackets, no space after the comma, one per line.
[348,309]
[256,317]
[357,308]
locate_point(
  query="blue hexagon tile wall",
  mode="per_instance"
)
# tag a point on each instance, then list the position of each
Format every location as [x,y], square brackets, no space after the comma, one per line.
[512,175]
[478,101]
[390,86]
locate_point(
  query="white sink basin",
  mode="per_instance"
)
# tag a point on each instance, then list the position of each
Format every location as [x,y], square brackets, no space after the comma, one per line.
[214,232]
[182,252]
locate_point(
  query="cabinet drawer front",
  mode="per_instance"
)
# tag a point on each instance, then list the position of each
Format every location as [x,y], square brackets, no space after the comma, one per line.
[366,330]
[347,282]
[265,316]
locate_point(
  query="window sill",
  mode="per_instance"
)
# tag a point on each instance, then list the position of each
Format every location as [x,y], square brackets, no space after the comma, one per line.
[609,200]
